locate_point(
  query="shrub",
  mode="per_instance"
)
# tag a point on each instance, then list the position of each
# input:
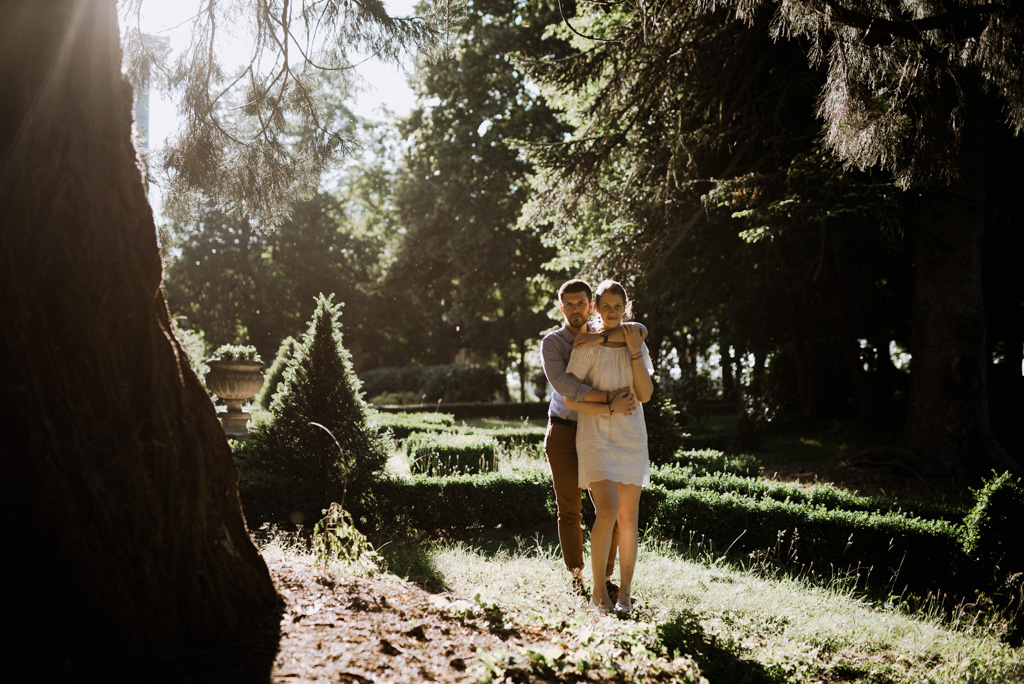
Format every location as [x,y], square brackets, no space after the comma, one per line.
[236,352]
[664,435]
[990,529]
[318,446]
[402,425]
[450,454]
[895,550]
[674,477]
[193,342]
[705,461]
[466,501]
[275,374]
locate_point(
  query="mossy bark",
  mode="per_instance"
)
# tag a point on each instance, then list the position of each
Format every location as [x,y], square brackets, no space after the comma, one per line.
[126,543]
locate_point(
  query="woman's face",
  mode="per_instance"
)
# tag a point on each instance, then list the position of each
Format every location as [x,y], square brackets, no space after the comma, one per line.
[611,309]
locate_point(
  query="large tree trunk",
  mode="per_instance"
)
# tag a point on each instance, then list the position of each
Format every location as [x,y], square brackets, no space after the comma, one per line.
[124,538]
[948,420]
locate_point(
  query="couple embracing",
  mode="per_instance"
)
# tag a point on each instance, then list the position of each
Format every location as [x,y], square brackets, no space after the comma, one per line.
[596,437]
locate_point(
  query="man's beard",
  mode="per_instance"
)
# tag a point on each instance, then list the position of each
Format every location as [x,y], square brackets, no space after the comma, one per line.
[577,321]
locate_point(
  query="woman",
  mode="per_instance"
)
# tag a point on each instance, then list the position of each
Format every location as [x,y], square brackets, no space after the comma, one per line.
[612,447]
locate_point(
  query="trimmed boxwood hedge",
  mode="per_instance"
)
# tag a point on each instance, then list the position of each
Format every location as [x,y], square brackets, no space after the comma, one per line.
[672,477]
[449,454]
[898,550]
[887,550]
[404,424]
[468,501]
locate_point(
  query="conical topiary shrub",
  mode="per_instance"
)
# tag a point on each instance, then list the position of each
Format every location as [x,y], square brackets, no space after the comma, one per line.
[318,447]
[275,374]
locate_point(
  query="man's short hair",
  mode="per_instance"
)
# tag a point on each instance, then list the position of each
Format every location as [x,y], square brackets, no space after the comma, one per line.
[575,285]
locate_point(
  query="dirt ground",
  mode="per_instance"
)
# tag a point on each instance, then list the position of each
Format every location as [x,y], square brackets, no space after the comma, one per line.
[354,629]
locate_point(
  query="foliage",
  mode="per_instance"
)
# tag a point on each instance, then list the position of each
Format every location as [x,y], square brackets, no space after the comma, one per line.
[664,435]
[753,486]
[336,540]
[401,425]
[456,382]
[256,137]
[509,500]
[236,283]
[703,181]
[992,526]
[710,461]
[450,454]
[194,344]
[462,183]
[888,549]
[236,352]
[319,446]
[275,374]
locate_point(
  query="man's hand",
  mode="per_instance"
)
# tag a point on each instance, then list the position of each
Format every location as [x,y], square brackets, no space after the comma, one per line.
[587,339]
[623,401]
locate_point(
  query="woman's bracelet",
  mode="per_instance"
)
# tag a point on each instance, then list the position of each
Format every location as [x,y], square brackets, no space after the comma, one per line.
[634,357]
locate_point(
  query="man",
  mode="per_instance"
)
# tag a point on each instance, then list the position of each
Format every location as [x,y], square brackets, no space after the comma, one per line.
[576,305]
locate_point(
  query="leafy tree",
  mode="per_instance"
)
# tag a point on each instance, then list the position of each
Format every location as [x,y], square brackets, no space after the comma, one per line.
[238,284]
[704,183]
[130,544]
[928,91]
[463,182]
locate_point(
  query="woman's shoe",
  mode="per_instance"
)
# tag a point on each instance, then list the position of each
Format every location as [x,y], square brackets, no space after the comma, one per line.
[604,610]
[624,607]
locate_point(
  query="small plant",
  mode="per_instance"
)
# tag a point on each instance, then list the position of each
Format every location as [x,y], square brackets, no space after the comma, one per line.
[336,540]
[236,352]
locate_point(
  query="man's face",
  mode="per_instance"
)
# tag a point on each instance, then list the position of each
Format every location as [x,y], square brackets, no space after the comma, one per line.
[576,308]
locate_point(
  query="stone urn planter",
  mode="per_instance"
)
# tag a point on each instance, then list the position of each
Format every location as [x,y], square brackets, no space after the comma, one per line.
[236,382]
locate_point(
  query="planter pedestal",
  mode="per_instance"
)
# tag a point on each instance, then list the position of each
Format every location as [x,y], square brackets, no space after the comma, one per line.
[236,382]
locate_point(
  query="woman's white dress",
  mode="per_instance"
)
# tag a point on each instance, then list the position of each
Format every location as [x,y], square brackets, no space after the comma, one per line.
[611,447]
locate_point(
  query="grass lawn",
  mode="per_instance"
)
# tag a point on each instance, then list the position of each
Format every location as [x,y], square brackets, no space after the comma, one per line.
[739,625]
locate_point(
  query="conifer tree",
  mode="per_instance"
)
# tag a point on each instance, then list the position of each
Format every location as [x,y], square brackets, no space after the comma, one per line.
[319,447]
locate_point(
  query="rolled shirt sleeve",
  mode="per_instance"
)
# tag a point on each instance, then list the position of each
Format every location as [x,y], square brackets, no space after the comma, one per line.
[555,351]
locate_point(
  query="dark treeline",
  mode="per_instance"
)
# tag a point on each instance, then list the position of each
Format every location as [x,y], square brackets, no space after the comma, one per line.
[705,162]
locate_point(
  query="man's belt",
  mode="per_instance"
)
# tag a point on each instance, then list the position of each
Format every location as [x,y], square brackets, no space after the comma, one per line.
[562,421]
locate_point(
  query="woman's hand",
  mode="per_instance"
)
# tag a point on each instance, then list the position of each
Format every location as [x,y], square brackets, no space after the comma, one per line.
[633,338]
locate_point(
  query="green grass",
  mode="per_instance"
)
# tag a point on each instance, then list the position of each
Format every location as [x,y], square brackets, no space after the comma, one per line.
[739,625]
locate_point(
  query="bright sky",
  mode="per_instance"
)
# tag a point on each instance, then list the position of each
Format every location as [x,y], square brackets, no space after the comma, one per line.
[386,85]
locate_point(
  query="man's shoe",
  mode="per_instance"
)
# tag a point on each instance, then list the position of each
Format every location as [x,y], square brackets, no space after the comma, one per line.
[613,590]
[577,588]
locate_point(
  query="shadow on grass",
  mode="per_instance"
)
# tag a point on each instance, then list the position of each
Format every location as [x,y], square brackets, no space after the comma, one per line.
[719,660]
[413,558]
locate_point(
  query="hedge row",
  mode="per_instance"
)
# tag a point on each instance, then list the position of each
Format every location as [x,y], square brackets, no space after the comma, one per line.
[450,454]
[404,424]
[898,550]
[468,501]
[674,477]
[890,549]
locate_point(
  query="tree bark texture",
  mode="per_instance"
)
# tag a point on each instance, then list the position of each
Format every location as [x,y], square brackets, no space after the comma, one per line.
[126,541]
[948,419]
